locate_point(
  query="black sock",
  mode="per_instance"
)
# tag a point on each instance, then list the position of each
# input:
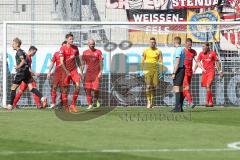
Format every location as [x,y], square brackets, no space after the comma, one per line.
[13,94]
[177,101]
[35,91]
[181,101]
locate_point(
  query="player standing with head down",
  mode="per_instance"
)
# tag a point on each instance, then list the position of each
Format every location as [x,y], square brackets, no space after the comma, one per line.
[93,60]
[178,74]
[23,86]
[23,74]
[58,77]
[150,59]
[70,61]
[209,59]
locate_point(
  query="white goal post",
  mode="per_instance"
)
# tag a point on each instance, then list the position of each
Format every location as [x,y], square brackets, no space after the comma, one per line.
[80,23]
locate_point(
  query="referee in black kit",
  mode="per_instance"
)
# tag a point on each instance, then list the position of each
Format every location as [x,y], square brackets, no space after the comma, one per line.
[22,74]
[178,74]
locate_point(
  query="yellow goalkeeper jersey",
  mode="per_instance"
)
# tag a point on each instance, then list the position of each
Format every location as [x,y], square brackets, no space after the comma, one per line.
[151,58]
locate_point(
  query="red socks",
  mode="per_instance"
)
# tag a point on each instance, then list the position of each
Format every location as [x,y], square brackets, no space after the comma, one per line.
[188,96]
[89,96]
[17,97]
[65,100]
[209,98]
[54,96]
[75,96]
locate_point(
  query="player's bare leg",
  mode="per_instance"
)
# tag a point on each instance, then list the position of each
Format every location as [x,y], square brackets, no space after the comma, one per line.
[209,97]
[53,96]
[65,98]
[74,99]
[187,95]
[89,97]
[152,95]
[148,94]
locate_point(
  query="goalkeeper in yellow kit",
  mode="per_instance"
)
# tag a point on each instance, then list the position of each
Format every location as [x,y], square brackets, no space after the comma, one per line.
[151,59]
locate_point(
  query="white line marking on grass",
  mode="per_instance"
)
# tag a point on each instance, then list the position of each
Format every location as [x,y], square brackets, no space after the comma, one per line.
[118,151]
[234,145]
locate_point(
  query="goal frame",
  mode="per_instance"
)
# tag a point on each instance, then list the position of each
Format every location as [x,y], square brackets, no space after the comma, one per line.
[110,23]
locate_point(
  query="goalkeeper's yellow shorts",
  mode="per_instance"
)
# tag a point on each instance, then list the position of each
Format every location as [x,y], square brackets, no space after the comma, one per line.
[151,77]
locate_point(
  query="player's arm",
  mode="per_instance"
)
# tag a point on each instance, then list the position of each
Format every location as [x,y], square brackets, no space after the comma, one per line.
[50,69]
[176,65]
[100,70]
[79,64]
[198,64]
[33,73]
[21,63]
[100,58]
[219,68]
[160,60]
[63,65]
[143,60]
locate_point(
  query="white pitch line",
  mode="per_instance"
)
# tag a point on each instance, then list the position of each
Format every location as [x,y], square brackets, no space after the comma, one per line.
[118,151]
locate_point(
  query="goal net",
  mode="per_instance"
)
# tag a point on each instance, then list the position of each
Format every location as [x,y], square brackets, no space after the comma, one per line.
[122,45]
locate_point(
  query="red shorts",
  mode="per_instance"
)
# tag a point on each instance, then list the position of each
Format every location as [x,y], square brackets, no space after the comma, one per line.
[74,76]
[23,86]
[187,79]
[58,78]
[92,83]
[207,78]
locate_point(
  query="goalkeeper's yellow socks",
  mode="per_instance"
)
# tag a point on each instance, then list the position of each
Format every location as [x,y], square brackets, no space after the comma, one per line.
[152,96]
[148,94]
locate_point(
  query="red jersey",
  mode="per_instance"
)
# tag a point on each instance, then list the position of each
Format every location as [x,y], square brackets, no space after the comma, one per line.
[29,61]
[208,60]
[188,61]
[92,60]
[69,54]
[56,59]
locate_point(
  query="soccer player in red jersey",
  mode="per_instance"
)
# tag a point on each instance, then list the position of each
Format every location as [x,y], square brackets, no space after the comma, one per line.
[209,59]
[58,76]
[188,62]
[93,60]
[23,86]
[70,61]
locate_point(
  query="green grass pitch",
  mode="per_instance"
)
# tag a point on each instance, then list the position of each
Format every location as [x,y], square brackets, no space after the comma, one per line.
[125,133]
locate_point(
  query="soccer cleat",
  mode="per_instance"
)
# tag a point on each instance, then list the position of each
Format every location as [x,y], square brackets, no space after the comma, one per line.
[66,108]
[8,107]
[52,106]
[44,102]
[192,106]
[210,105]
[73,108]
[148,105]
[185,104]
[98,104]
[90,107]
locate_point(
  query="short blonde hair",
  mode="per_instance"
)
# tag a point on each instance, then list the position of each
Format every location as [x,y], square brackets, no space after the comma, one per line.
[18,41]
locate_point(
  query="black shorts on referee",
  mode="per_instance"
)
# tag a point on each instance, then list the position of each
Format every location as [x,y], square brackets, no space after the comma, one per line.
[179,76]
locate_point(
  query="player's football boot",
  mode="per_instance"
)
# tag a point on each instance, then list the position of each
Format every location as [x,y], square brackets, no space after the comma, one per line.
[148,105]
[98,104]
[44,102]
[73,108]
[191,105]
[90,107]
[52,106]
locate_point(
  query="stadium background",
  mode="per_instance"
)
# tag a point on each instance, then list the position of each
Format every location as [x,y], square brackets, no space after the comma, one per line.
[226,91]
